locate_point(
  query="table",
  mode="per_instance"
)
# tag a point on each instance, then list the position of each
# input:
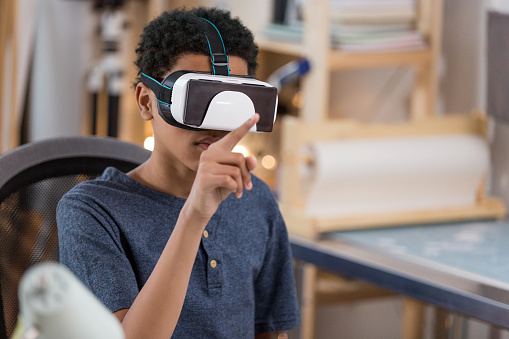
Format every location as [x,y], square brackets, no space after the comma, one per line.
[461,267]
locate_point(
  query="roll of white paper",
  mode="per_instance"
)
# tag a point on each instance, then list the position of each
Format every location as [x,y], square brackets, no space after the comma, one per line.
[355,177]
[61,307]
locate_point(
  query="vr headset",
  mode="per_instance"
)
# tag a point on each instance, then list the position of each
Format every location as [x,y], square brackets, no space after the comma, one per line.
[217,100]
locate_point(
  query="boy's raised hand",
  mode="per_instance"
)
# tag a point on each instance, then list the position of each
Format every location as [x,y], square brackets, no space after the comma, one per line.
[220,173]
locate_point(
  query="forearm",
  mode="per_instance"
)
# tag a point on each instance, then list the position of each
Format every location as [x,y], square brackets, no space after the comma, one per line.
[155,312]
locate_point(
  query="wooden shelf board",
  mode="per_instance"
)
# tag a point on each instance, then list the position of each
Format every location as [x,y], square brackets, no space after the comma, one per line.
[283,47]
[299,223]
[336,129]
[489,208]
[341,60]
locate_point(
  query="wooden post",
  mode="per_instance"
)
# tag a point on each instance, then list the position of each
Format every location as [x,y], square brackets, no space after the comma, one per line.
[425,92]
[308,301]
[422,101]
[412,322]
[317,45]
[156,7]
[8,47]
[15,126]
[3,32]
[442,323]
[290,188]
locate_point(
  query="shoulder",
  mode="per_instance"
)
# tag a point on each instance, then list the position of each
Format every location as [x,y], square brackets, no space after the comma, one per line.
[261,191]
[96,208]
[89,194]
[261,204]
[110,179]
[262,198]
[257,206]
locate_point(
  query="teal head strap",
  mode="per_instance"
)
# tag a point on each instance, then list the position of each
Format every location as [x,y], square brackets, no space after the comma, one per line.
[217,51]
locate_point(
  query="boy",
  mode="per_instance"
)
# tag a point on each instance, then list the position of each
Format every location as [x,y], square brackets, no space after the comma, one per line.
[167,247]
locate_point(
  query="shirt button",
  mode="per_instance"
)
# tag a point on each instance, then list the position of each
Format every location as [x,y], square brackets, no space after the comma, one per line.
[205,234]
[213,263]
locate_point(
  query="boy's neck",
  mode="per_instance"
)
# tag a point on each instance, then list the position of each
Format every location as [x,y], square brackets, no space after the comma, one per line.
[164,177]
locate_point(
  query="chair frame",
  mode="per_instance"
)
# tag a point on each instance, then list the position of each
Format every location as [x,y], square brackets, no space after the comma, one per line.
[36,161]
[39,158]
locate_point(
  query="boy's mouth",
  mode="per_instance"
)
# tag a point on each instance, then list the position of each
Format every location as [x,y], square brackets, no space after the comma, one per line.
[206,142]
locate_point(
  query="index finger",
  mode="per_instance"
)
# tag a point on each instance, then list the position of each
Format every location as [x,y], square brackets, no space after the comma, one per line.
[231,139]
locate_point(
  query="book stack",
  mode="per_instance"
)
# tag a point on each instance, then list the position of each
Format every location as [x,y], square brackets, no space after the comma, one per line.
[359,26]
[375,26]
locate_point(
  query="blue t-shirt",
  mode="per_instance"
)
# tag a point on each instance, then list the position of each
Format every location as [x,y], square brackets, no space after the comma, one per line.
[112,231]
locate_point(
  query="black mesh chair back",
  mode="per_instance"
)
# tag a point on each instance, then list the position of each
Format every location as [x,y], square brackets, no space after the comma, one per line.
[33,178]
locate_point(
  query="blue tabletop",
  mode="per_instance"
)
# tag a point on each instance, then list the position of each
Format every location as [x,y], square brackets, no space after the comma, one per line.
[477,248]
[462,267]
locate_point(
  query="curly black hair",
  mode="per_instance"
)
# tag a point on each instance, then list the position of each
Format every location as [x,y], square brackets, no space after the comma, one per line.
[178,32]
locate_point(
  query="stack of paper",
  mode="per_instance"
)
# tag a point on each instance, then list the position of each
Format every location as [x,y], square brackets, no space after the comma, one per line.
[364,26]
[376,39]
[375,25]
[373,12]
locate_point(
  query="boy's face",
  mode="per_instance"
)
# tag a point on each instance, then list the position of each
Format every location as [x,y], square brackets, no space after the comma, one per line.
[176,146]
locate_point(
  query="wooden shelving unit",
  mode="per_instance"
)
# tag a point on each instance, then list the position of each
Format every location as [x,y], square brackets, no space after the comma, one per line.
[324,60]
[314,123]
[316,47]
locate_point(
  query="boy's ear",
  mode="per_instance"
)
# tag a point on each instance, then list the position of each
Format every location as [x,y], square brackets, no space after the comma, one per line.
[146,106]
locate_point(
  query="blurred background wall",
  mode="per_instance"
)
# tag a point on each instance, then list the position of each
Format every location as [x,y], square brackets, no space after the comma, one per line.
[62,35]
